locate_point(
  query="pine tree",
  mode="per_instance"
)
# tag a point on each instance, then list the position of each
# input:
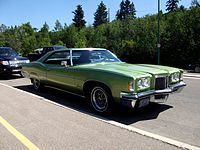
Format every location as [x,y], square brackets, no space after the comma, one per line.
[195,3]
[78,20]
[3,28]
[43,37]
[127,10]
[101,15]
[45,28]
[58,26]
[172,5]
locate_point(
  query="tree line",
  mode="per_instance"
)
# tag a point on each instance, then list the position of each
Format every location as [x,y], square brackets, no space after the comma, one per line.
[133,39]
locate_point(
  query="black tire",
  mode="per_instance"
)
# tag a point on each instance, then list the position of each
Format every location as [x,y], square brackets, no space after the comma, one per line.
[197,69]
[37,84]
[100,100]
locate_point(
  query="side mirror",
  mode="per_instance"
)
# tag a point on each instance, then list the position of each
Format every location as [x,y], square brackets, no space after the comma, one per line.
[64,63]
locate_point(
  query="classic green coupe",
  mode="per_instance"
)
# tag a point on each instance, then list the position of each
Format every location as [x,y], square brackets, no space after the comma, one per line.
[103,79]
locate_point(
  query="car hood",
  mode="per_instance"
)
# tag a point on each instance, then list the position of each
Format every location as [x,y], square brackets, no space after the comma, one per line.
[132,69]
[8,58]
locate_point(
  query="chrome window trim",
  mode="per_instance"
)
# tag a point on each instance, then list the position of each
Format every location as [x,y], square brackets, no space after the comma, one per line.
[71,58]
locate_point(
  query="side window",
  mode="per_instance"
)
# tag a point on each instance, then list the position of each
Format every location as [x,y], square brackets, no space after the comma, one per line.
[81,57]
[57,57]
[96,56]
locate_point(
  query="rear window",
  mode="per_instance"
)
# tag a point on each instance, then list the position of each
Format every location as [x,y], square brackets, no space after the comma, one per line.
[59,47]
[47,49]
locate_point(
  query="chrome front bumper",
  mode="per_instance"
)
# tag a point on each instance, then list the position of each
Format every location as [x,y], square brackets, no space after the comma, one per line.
[131,99]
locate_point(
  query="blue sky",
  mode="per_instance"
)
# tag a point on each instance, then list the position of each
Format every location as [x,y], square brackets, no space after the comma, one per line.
[16,12]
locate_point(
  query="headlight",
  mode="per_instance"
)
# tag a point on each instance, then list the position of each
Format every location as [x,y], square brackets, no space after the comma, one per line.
[143,83]
[27,61]
[175,77]
[4,62]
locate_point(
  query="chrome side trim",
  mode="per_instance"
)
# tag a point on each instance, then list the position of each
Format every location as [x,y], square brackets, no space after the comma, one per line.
[64,91]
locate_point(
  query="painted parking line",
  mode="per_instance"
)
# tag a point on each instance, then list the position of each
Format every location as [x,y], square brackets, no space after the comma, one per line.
[120,125]
[18,135]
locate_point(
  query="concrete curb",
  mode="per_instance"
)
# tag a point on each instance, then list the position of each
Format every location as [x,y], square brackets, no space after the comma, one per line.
[194,75]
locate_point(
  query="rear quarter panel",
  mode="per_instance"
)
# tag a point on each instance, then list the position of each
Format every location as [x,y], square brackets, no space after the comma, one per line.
[35,70]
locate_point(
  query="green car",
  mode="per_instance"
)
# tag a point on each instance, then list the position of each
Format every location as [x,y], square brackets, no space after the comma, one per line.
[103,79]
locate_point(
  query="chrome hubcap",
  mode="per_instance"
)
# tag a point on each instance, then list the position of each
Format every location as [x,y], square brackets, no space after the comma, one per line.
[99,99]
[197,69]
[36,84]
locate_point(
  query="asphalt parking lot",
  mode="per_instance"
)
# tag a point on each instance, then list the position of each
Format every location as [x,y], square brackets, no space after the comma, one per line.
[57,120]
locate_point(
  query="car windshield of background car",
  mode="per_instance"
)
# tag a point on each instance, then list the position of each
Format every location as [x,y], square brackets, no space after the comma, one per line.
[7,52]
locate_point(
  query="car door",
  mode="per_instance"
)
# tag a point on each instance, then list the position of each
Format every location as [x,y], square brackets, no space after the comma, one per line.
[58,73]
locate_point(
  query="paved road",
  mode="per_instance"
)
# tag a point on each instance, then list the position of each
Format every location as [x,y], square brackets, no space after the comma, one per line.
[179,118]
[73,126]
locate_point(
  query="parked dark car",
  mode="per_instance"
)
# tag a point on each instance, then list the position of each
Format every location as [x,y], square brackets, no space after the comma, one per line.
[10,61]
[40,53]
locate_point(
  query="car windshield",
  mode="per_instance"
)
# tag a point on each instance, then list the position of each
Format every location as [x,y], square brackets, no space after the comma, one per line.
[93,56]
[7,52]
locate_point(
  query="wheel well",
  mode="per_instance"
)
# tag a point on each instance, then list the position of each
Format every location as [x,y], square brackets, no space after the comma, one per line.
[87,87]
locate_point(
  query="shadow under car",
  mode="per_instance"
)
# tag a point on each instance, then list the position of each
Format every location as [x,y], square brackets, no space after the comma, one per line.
[120,114]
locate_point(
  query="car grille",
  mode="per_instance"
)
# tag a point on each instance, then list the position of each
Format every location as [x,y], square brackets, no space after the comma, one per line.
[161,83]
